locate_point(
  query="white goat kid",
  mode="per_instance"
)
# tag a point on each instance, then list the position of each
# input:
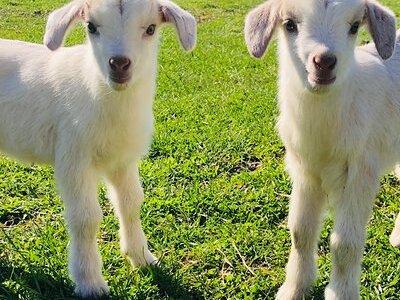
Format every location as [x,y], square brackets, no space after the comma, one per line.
[88,110]
[340,123]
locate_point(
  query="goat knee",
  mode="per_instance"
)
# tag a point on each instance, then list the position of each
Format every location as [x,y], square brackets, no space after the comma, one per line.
[301,268]
[303,233]
[83,222]
[347,254]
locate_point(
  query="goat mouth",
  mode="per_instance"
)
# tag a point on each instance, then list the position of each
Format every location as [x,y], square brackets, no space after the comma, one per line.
[120,79]
[321,80]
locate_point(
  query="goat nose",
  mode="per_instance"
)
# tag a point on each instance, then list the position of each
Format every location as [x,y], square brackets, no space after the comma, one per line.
[120,63]
[326,62]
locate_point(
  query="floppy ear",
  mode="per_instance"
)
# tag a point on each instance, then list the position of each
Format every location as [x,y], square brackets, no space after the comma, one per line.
[183,21]
[382,26]
[60,21]
[260,27]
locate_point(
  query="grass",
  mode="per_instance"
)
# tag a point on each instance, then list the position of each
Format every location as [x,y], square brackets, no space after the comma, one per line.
[216,189]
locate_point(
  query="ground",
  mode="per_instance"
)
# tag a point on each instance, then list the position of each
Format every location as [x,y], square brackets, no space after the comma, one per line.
[216,190]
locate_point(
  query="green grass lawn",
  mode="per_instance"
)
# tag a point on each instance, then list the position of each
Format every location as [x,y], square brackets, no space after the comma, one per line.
[216,190]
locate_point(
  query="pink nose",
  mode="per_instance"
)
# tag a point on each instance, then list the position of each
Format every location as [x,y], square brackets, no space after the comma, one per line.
[325,62]
[120,63]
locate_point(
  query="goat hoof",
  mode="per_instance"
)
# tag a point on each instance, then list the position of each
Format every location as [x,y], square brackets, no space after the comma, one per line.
[92,291]
[144,259]
[289,292]
[332,293]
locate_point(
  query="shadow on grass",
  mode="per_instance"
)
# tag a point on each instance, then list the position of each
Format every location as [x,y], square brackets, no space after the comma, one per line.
[169,284]
[318,293]
[39,283]
[35,283]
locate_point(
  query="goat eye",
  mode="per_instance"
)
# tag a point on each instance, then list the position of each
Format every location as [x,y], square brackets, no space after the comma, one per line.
[290,26]
[354,28]
[151,29]
[92,28]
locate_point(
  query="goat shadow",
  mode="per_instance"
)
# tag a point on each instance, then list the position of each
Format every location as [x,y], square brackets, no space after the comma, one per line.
[36,283]
[169,285]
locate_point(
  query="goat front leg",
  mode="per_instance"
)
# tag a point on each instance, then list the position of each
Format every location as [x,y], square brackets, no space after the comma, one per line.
[78,189]
[127,196]
[353,207]
[305,213]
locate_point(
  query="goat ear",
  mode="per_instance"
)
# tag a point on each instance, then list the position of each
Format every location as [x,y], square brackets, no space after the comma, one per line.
[260,27]
[183,21]
[382,26]
[60,21]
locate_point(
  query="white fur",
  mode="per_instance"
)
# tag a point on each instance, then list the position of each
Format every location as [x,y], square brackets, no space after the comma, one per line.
[61,107]
[339,139]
